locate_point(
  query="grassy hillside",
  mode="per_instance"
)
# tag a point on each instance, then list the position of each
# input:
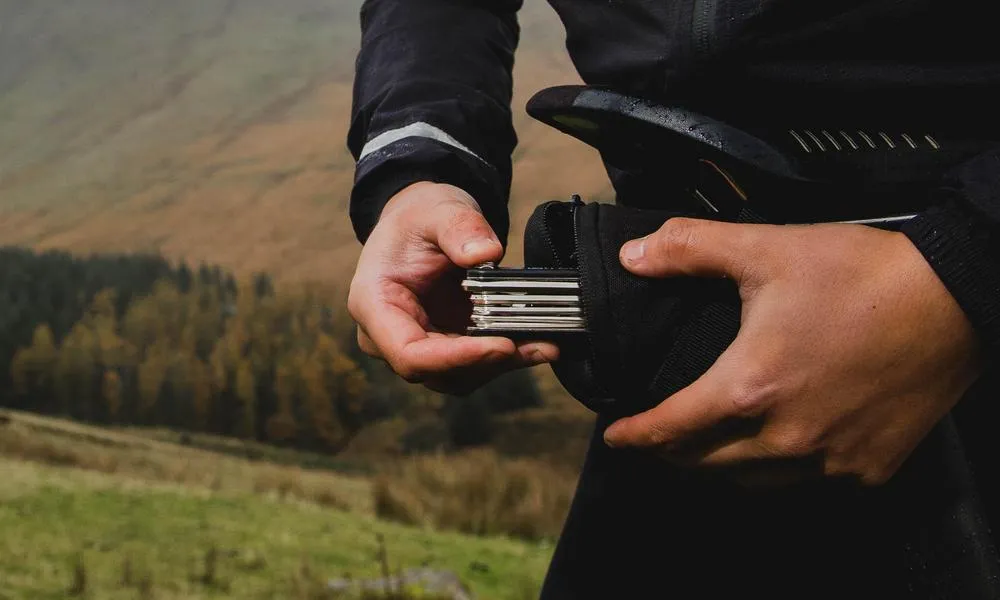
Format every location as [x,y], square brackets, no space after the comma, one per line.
[214,129]
[148,458]
[105,536]
[114,512]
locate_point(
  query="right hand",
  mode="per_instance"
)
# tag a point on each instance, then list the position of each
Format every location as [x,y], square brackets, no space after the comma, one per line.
[407,299]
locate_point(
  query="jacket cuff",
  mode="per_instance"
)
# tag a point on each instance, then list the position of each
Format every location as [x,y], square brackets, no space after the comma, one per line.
[380,177]
[964,251]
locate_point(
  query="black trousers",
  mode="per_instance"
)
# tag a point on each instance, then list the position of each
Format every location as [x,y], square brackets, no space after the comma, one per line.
[639,528]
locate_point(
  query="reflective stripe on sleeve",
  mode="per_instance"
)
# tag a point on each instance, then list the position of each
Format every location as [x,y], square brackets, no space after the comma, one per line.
[420,129]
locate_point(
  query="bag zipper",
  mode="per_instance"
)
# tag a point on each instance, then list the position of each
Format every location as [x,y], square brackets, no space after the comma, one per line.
[554,249]
[588,365]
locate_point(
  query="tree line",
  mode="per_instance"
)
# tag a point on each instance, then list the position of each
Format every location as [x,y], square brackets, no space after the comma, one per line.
[133,340]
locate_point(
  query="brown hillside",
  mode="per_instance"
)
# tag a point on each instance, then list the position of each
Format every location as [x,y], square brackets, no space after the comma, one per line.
[214,130]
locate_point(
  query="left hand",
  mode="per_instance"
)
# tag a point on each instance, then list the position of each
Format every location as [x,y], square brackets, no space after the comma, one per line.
[850,350]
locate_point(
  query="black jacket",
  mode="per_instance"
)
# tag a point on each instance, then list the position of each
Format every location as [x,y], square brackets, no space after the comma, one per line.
[432,102]
[433,91]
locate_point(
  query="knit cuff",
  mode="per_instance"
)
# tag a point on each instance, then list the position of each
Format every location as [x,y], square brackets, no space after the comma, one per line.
[964,251]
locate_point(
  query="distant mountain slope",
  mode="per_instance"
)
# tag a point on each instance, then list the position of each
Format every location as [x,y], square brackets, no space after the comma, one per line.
[214,129]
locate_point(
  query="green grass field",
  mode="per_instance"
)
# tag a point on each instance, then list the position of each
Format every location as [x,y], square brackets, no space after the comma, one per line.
[70,532]
[91,512]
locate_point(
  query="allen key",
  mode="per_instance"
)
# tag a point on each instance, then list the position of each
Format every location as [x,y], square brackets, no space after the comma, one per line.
[536,304]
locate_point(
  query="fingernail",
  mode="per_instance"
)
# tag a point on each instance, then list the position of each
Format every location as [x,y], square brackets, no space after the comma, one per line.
[610,435]
[478,246]
[537,356]
[634,251]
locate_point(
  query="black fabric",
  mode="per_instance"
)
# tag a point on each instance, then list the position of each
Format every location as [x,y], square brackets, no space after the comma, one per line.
[648,337]
[639,528]
[417,159]
[963,249]
[963,254]
[926,534]
[446,63]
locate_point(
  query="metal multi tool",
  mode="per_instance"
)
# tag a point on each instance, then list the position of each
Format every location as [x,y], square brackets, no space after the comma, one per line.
[524,303]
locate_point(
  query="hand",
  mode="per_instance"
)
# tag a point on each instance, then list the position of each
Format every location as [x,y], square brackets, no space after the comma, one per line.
[406,295]
[850,350]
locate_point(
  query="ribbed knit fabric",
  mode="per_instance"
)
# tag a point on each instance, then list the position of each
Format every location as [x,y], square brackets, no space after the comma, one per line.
[965,254]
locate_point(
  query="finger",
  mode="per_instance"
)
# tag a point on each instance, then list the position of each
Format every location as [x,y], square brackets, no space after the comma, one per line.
[694,247]
[418,358]
[697,408]
[464,381]
[367,345]
[392,326]
[532,354]
[734,453]
[753,462]
[465,237]
[718,407]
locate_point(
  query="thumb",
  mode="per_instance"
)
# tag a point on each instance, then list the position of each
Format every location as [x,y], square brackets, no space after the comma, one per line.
[465,236]
[694,247]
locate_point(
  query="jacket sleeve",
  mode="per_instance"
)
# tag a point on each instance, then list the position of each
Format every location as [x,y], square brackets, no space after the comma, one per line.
[432,97]
[960,238]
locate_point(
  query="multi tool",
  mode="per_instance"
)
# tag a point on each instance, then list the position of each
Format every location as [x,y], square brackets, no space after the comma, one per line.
[524,304]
